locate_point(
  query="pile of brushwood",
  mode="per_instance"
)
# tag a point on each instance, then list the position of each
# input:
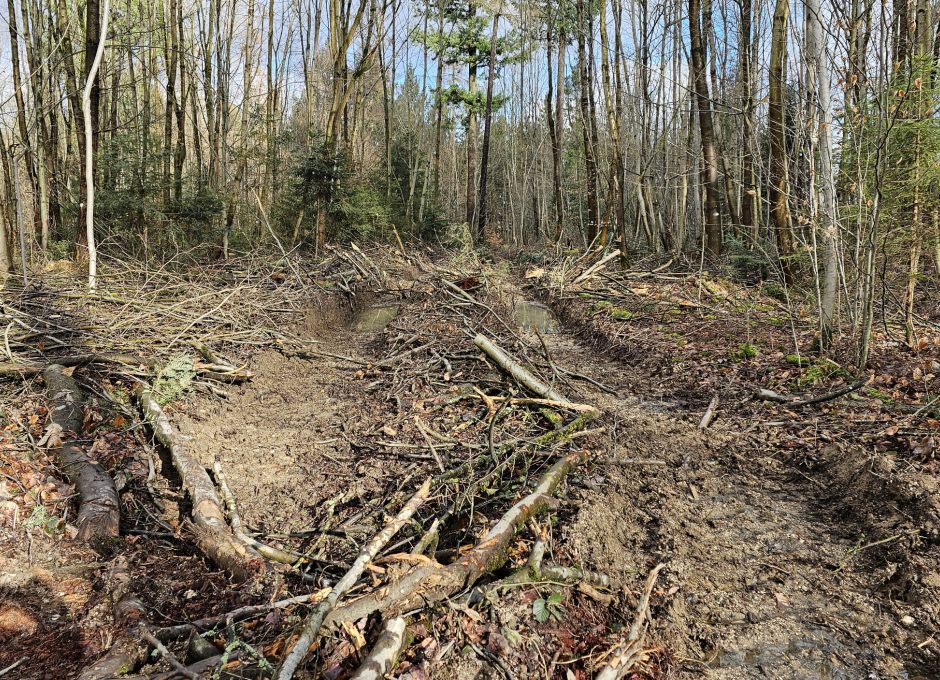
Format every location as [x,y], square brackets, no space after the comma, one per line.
[479,414]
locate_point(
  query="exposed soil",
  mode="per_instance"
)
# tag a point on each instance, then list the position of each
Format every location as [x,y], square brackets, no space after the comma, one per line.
[782,560]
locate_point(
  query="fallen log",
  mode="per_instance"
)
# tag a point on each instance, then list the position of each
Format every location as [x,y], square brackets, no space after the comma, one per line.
[433,582]
[30,369]
[99,510]
[315,621]
[381,659]
[517,370]
[213,535]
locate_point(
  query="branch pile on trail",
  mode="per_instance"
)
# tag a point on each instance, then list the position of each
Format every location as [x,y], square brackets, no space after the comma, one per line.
[461,400]
[139,318]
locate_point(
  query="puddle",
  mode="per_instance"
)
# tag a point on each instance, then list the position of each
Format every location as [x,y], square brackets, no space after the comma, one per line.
[374,319]
[807,657]
[529,315]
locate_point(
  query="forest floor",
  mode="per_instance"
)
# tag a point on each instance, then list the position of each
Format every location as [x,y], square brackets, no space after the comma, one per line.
[798,540]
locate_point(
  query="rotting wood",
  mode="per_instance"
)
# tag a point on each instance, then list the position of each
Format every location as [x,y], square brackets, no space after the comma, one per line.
[381,659]
[213,535]
[127,652]
[517,370]
[99,513]
[433,582]
[314,622]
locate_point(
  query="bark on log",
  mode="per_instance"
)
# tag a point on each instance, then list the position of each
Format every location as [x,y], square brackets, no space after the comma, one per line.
[315,621]
[385,653]
[99,513]
[434,582]
[517,371]
[213,535]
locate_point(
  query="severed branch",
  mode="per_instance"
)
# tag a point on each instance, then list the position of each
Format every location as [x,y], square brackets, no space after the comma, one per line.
[433,582]
[315,621]
[213,535]
[770,395]
[709,414]
[529,401]
[99,512]
[593,270]
[267,551]
[517,370]
[167,654]
[385,653]
[626,654]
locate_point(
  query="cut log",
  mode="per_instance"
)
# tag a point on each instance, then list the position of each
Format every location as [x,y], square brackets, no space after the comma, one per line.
[385,653]
[429,583]
[315,621]
[99,512]
[213,535]
[517,370]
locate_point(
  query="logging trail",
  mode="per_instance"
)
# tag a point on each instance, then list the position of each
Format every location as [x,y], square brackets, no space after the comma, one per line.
[759,582]
[556,499]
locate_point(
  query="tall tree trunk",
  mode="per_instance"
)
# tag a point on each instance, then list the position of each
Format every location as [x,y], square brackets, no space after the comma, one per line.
[750,207]
[779,171]
[587,124]
[554,99]
[28,155]
[828,218]
[709,166]
[88,104]
[487,122]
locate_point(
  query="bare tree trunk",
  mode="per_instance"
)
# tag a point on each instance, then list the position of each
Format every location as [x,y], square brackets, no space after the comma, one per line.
[779,180]
[709,167]
[91,125]
[487,122]
[587,124]
[828,218]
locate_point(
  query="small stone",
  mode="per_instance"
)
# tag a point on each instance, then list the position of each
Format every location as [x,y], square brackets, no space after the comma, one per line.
[907,620]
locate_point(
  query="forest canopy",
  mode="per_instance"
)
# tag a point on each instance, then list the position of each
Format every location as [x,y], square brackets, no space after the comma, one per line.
[793,141]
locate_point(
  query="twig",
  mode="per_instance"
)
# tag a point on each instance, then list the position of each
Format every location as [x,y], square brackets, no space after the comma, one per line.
[315,620]
[625,654]
[167,654]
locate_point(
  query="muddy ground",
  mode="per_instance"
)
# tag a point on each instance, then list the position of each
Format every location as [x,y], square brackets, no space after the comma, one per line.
[781,561]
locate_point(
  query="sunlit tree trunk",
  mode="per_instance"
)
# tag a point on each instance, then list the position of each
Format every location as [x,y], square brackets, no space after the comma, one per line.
[779,181]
